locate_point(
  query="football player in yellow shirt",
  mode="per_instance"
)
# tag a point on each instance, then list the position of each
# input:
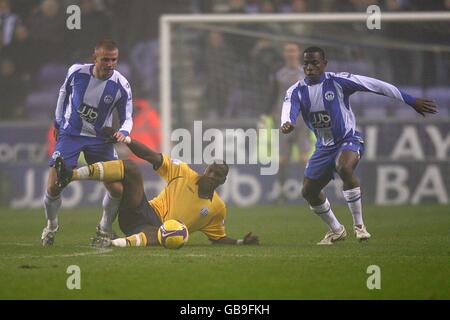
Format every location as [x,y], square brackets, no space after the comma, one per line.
[188,197]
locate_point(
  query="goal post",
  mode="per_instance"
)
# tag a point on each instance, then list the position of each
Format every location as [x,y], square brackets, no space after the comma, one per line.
[222,22]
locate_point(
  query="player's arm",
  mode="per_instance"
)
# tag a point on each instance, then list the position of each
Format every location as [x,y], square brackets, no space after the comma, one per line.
[138,148]
[215,231]
[290,110]
[249,239]
[353,83]
[144,152]
[125,112]
[64,93]
[59,109]
[423,106]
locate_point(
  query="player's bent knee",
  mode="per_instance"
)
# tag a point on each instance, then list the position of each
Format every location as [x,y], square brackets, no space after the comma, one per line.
[309,193]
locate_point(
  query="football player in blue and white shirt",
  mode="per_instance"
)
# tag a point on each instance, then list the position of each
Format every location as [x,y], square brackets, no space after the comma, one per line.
[87,99]
[322,100]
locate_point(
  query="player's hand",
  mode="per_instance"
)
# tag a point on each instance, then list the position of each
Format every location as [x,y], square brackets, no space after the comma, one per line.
[423,106]
[119,136]
[55,134]
[251,239]
[287,127]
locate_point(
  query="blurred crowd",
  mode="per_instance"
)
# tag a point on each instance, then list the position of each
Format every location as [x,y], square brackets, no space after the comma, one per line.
[36,47]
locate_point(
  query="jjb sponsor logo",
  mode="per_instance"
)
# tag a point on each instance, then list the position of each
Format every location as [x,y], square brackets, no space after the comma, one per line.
[320,119]
[87,113]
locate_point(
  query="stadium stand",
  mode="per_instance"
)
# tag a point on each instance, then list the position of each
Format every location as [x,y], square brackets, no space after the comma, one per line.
[45,71]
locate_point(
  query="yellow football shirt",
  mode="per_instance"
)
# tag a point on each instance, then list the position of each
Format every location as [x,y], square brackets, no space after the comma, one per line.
[180,201]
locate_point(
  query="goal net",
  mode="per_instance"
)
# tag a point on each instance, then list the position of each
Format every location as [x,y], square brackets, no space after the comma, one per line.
[222,68]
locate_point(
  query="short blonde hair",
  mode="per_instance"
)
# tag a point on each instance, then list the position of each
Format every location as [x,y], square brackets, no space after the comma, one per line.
[106,44]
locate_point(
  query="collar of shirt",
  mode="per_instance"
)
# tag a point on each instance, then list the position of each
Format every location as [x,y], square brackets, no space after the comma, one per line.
[311,83]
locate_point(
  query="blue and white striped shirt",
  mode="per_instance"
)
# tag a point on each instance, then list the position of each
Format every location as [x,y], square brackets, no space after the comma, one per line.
[325,105]
[85,103]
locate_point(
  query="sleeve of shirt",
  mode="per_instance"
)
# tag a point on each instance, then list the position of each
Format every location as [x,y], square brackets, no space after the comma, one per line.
[172,168]
[216,228]
[291,105]
[125,109]
[64,94]
[353,83]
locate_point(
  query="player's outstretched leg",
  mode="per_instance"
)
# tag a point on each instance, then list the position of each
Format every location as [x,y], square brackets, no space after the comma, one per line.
[108,171]
[345,165]
[141,239]
[312,192]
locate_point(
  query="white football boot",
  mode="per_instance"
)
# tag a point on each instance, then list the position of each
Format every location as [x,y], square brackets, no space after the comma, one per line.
[48,236]
[331,237]
[361,233]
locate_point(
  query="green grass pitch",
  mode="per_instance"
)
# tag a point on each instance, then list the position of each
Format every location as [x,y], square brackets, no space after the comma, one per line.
[410,244]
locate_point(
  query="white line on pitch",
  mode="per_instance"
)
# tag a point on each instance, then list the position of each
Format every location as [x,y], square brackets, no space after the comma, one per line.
[98,251]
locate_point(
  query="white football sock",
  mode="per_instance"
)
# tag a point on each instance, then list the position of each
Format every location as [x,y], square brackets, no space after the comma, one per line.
[51,206]
[353,198]
[110,208]
[120,242]
[327,215]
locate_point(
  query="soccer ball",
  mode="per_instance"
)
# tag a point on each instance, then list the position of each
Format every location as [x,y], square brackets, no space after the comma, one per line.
[173,234]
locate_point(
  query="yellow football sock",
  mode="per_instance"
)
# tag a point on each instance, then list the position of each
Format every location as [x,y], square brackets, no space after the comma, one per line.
[137,240]
[108,171]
